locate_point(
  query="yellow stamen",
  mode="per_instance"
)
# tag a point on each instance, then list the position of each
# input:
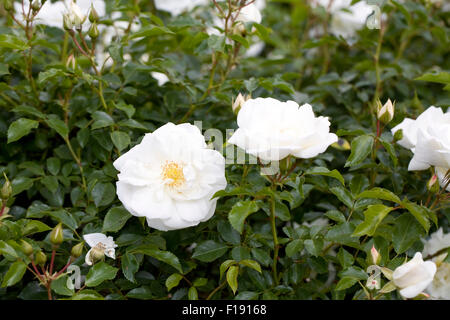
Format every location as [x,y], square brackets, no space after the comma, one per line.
[174,172]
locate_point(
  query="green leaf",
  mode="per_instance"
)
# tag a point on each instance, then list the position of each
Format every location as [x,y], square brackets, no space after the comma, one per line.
[130,266]
[361,148]
[53,165]
[12,42]
[5,248]
[151,31]
[406,231]
[58,125]
[232,278]
[173,280]
[209,251]
[439,77]
[3,69]
[164,256]
[14,274]
[103,194]
[314,247]
[238,38]
[120,139]
[60,286]
[87,295]
[372,218]
[200,282]
[20,184]
[44,76]
[343,195]
[65,218]
[20,128]
[216,43]
[345,258]
[115,219]
[101,120]
[293,247]
[345,283]
[225,265]
[192,293]
[419,213]
[127,108]
[325,172]
[380,193]
[251,264]
[240,211]
[100,272]
[282,211]
[51,183]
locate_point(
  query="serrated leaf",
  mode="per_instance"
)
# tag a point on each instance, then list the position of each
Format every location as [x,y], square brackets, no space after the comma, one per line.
[380,193]
[251,264]
[325,172]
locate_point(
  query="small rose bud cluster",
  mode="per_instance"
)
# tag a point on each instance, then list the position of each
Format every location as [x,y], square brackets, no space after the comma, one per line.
[75,18]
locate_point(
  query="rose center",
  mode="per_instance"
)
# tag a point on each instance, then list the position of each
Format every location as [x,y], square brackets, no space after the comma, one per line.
[173,174]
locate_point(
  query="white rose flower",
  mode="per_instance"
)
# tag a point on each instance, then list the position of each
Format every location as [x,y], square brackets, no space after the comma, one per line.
[346,19]
[414,276]
[170,177]
[51,13]
[100,244]
[438,241]
[160,77]
[249,13]
[411,127]
[428,137]
[176,7]
[272,130]
[439,288]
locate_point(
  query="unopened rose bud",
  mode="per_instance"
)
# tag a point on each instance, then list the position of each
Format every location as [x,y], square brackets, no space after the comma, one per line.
[41,258]
[376,257]
[71,62]
[240,100]
[77,16]
[56,236]
[6,191]
[433,184]
[26,247]
[398,135]
[93,15]
[96,254]
[77,250]
[385,113]
[93,31]
[67,22]
[36,5]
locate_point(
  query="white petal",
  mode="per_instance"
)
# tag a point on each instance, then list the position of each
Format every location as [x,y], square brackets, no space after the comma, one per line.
[92,239]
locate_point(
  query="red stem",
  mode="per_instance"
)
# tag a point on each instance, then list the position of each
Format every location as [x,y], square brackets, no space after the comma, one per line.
[3,209]
[52,261]
[37,271]
[65,267]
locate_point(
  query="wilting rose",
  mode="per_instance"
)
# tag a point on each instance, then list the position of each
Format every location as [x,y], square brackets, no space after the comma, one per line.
[414,276]
[101,245]
[170,177]
[272,130]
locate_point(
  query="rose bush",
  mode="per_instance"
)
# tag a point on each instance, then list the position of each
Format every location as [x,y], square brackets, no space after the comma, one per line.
[167,150]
